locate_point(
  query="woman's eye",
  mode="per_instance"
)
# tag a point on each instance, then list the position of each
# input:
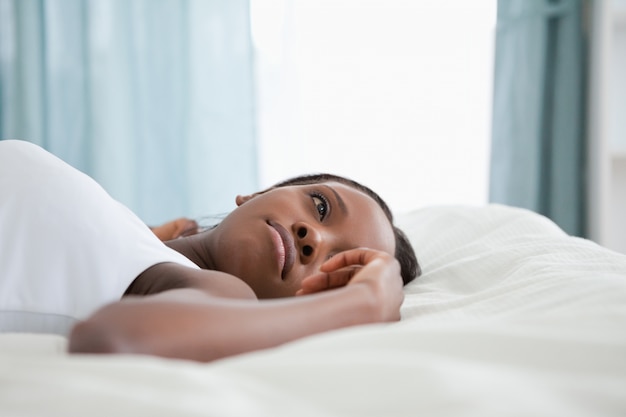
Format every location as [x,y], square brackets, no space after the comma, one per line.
[321,205]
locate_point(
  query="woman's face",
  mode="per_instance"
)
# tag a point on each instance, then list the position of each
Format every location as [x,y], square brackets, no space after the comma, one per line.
[274,239]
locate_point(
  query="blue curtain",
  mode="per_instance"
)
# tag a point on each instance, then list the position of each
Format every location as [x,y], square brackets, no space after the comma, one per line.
[152,98]
[538,132]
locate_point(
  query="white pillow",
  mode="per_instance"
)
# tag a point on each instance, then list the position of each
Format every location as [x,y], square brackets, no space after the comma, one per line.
[496,261]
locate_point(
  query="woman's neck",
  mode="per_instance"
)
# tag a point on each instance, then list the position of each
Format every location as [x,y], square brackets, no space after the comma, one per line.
[196,248]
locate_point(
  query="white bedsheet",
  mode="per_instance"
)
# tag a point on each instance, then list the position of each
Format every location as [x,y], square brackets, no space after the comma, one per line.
[511,318]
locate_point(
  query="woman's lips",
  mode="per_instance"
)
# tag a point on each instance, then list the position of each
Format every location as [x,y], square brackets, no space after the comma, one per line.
[285,248]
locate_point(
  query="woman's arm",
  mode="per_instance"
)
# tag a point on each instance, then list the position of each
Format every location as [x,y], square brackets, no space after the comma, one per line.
[194,324]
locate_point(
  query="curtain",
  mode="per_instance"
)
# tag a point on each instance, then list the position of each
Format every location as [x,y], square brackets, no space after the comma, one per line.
[152,98]
[537,158]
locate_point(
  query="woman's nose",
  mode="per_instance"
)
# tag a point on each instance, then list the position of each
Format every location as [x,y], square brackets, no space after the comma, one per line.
[308,240]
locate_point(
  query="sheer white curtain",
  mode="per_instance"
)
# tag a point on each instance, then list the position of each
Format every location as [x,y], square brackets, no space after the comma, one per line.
[153,98]
[394,93]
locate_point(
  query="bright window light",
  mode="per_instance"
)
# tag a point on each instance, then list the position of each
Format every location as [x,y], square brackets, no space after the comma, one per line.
[395,94]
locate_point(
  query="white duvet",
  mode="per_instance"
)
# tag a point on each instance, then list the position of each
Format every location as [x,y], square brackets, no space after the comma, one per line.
[511,318]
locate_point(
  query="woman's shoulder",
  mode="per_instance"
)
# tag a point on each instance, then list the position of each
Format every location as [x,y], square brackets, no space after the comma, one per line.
[169,276]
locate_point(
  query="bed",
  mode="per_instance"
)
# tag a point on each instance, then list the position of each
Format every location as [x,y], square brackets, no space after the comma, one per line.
[511,317]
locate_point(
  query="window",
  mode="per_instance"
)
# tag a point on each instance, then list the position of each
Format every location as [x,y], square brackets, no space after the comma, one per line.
[394,94]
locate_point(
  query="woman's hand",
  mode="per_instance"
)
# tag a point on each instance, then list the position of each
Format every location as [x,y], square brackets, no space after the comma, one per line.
[176,228]
[377,270]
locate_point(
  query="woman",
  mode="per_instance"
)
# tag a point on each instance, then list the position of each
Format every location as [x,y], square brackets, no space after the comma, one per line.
[176,228]
[75,261]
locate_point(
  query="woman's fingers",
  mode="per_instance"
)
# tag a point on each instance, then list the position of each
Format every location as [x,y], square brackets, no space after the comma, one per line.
[359,256]
[327,280]
[175,229]
[377,270]
[346,266]
[185,227]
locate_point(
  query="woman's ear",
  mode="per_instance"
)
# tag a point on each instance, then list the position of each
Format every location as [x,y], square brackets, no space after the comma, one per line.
[240,199]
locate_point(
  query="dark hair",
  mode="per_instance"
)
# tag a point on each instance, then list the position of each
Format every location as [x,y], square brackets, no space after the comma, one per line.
[405,254]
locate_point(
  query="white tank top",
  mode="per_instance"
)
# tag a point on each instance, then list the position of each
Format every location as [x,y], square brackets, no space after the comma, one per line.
[66,246]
